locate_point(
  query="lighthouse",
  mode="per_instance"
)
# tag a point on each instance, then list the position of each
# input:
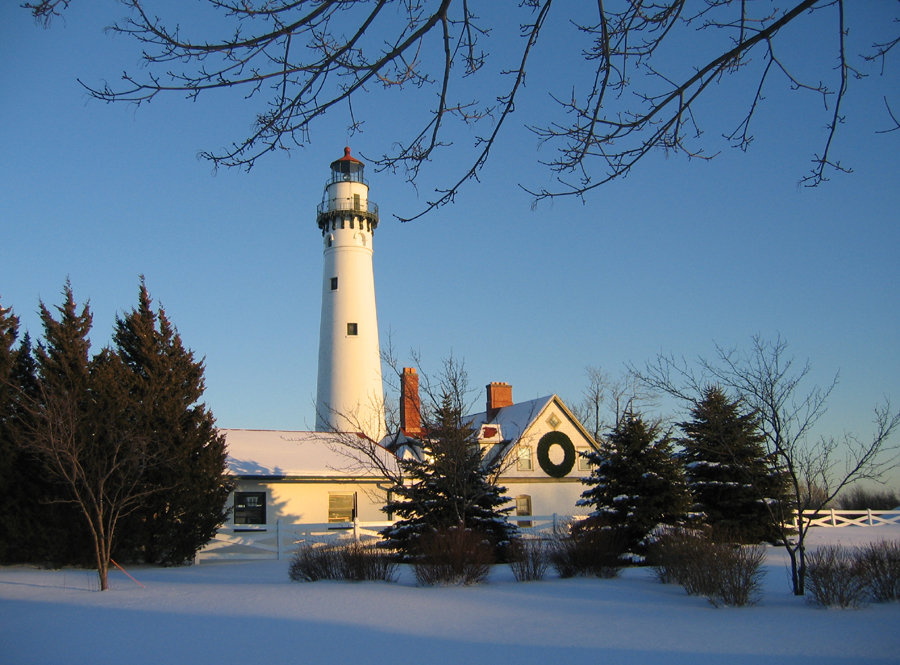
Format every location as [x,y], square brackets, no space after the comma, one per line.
[349,392]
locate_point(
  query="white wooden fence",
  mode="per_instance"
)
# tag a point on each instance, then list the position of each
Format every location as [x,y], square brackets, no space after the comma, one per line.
[838,518]
[279,540]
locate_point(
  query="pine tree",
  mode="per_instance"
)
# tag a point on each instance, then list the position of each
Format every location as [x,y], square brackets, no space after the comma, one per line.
[636,483]
[448,486]
[9,328]
[168,383]
[62,359]
[734,482]
[31,527]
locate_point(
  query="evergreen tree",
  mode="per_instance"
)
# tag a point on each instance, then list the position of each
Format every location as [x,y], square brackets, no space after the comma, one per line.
[172,525]
[449,485]
[636,483]
[30,526]
[734,482]
[62,359]
[9,328]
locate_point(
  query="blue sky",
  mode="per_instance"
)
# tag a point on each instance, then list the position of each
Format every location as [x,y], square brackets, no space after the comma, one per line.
[677,257]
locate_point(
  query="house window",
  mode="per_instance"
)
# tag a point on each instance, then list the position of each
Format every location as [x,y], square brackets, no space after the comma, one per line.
[352,329]
[249,507]
[341,506]
[584,463]
[334,283]
[523,508]
[523,462]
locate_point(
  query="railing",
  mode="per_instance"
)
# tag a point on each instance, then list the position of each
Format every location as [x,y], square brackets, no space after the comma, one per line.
[279,540]
[347,204]
[839,518]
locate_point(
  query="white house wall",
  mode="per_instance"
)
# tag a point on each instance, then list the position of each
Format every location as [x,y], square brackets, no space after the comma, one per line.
[548,494]
[306,501]
[547,497]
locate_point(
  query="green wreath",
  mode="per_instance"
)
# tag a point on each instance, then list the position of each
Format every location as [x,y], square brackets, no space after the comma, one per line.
[549,440]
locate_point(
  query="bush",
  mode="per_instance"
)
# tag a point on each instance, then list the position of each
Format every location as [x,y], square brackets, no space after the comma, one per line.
[596,552]
[680,556]
[354,562]
[862,498]
[314,561]
[834,576]
[880,567]
[738,575]
[724,573]
[452,556]
[528,559]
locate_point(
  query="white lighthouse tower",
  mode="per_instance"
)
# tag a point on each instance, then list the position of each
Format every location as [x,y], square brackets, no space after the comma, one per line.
[350,396]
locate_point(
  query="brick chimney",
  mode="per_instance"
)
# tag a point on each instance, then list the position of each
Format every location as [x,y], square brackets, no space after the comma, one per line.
[499,394]
[410,415]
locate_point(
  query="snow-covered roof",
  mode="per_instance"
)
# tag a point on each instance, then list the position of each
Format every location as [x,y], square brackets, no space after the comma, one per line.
[280,453]
[514,419]
[304,454]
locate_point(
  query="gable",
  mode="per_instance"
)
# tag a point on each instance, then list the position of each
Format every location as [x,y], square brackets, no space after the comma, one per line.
[543,430]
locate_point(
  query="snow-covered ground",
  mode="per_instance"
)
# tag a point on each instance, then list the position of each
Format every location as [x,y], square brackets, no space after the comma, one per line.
[248,612]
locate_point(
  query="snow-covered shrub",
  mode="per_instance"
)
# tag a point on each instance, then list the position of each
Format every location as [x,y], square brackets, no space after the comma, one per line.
[677,555]
[834,576]
[596,552]
[361,563]
[528,559]
[453,556]
[353,562]
[880,568]
[737,572]
[723,572]
[315,561]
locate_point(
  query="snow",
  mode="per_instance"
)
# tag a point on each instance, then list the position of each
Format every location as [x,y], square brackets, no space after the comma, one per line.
[513,420]
[280,453]
[248,612]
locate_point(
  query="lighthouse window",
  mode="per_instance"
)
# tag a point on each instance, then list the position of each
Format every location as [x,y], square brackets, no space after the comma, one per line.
[352,329]
[334,283]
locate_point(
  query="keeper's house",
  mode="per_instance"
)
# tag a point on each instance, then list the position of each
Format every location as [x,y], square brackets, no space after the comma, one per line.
[312,477]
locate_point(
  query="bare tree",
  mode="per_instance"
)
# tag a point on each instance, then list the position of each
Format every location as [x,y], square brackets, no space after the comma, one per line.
[590,410]
[605,400]
[626,98]
[770,382]
[88,443]
[449,388]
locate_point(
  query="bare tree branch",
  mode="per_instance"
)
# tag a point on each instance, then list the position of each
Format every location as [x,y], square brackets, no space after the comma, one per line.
[771,383]
[622,98]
